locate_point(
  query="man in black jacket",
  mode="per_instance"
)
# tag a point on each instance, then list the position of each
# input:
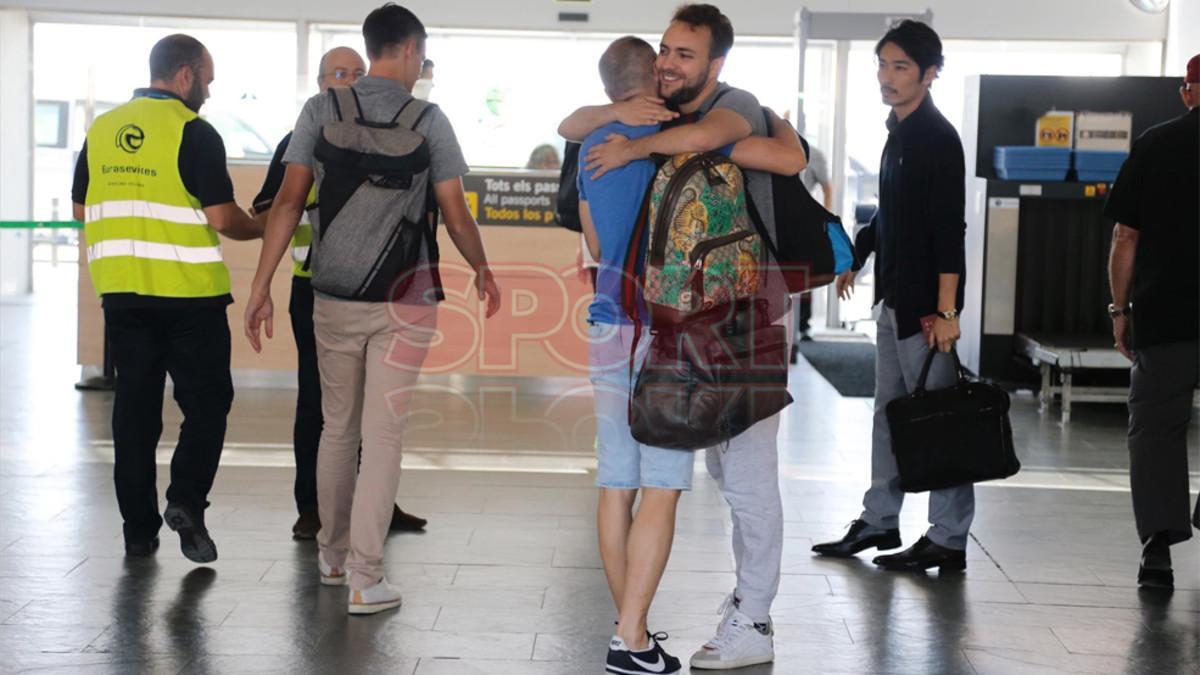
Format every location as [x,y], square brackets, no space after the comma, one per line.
[917,237]
[1155,277]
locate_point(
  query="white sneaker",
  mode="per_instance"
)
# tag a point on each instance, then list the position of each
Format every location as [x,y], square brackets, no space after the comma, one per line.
[380,597]
[737,644]
[330,576]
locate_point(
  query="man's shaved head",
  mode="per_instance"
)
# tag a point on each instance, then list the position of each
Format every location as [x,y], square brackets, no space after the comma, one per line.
[339,60]
[627,67]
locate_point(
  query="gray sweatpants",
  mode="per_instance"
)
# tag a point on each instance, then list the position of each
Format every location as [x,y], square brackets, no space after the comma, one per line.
[1160,408]
[747,471]
[897,371]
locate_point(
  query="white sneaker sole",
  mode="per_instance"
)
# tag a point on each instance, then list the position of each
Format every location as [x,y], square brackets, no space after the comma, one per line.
[621,671]
[707,664]
[373,607]
[339,580]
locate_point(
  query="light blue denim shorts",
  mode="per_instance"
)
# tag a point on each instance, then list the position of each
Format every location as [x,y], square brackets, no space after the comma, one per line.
[625,464]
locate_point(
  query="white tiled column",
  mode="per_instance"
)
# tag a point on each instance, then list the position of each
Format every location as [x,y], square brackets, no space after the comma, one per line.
[16,149]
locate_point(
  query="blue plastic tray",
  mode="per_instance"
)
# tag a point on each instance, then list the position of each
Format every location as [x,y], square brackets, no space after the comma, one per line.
[1028,154]
[1097,160]
[1086,176]
[1032,174]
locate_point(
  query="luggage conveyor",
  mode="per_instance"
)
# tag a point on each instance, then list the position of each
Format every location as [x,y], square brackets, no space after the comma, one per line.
[1060,356]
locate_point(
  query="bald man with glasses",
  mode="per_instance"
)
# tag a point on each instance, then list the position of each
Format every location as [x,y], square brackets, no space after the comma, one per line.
[339,67]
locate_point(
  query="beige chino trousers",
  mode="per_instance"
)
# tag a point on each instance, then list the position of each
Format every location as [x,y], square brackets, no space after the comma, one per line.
[369,355]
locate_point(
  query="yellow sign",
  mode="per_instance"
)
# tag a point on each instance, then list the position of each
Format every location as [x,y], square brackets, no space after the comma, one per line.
[473,204]
[1055,129]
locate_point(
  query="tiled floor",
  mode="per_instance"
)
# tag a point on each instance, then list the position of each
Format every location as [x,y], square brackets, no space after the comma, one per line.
[507,579]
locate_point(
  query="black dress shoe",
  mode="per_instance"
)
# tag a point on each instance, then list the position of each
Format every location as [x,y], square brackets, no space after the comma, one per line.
[860,537]
[141,549]
[1155,571]
[194,541]
[406,522]
[307,525]
[923,555]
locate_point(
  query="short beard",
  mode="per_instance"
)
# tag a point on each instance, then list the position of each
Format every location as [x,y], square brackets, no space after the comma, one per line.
[195,96]
[687,93]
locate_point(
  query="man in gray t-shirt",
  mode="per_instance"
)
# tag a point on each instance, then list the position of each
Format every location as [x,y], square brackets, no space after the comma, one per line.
[817,174]
[380,99]
[370,353]
[747,107]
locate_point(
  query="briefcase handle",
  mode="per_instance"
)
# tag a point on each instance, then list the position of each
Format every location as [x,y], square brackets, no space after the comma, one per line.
[958,368]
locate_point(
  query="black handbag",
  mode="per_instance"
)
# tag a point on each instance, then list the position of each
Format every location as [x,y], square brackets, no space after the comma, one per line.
[952,436]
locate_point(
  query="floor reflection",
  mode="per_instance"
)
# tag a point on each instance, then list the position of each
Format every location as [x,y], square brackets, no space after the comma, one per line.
[185,619]
[1165,639]
[132,608]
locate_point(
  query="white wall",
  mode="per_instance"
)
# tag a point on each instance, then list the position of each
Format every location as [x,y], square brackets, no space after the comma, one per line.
[16,147]
[975,19]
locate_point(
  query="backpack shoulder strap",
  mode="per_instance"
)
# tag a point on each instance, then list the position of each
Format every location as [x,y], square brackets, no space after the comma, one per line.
[633,265]
[345,103]
[411,112]
[803,141]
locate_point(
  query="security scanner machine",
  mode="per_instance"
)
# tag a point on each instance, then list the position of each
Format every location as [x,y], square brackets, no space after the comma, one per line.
[1037,241]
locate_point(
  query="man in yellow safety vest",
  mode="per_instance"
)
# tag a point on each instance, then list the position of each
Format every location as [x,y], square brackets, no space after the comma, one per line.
[153,190]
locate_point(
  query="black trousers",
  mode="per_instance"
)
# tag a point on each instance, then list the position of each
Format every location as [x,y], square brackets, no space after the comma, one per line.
[306,432]
[192,345]
[805,310]
[1160,408]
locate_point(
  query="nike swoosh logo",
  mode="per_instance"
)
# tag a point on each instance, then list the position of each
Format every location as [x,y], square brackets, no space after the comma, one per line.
[656,667]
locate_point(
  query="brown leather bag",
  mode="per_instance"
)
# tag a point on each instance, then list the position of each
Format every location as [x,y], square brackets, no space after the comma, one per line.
[710,379]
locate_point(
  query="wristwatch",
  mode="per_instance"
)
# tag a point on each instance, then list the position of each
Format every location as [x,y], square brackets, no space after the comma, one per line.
[1114,311]
[949,315]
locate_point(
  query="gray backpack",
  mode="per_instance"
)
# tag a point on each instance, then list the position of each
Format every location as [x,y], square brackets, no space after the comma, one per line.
[375,203]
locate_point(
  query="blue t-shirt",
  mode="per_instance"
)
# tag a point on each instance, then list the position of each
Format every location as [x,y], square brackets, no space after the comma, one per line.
[614,200]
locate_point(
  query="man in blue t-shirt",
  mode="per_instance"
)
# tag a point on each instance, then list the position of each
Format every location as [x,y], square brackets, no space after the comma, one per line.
[613,201]
[634,549]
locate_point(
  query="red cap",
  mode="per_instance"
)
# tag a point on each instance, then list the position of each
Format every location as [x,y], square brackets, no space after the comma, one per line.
[1193,70]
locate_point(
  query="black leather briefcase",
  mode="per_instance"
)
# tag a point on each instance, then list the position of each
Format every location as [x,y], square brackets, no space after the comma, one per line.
[952,436]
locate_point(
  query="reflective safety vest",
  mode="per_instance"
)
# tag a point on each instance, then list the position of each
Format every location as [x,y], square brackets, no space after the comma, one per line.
[146,234]
[302,239]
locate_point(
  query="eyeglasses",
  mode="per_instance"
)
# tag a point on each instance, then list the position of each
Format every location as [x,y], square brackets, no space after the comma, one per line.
[343,73]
